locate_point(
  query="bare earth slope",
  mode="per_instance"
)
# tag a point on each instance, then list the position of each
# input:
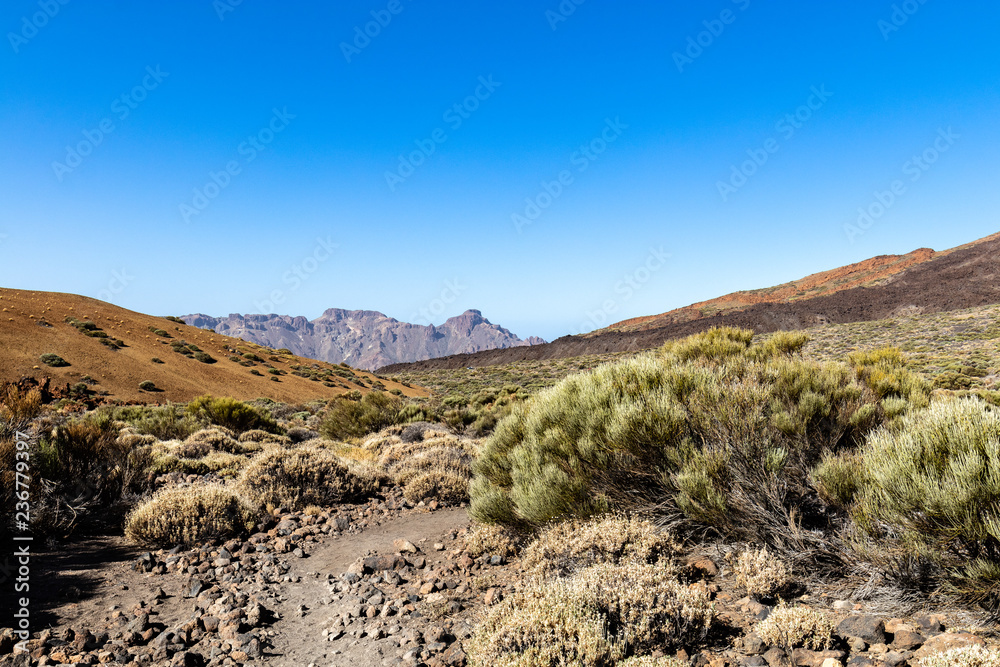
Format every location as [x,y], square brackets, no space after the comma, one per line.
[868,273]
[34,323]
[964,277]
[365,338]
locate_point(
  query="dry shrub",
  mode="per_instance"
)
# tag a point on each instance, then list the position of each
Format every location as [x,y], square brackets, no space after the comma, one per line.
[190,516]
[193,450]
[89,474]
[304,476]
[488,538]
[130,439]
[438,465]
[572,545]
[650,661]
[791,627]
[763,574]
[259,436]
[193,459]
[595,618]
[17,408]
[221,439]
[965,656]
[441,486]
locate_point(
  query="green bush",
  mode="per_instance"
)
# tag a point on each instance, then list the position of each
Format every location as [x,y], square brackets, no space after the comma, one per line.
[53,360]
[713,428]
[232,414]
[204,357]
[934,483]
[350,418]
[165,422]
[147,385]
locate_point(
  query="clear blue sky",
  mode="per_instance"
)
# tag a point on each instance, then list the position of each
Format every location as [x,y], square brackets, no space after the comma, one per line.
[309,117]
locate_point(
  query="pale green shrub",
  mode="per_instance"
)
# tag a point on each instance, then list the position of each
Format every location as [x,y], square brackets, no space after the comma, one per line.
[935,481]
[713,428]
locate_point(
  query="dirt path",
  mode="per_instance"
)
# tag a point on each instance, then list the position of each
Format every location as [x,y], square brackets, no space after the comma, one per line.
[298,639]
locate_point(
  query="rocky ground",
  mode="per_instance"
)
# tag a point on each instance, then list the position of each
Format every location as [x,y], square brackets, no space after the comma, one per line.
[385,583]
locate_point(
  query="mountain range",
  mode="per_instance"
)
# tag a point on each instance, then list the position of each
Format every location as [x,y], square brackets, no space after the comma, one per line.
[364,338]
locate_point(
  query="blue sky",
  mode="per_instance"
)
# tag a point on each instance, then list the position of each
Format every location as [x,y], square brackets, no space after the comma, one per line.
[558,166]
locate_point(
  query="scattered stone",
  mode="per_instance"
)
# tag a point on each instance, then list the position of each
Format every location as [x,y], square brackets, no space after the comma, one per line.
[404,546]
[705,567]
[869,628]
[753,645]
[904,640]
[775,657]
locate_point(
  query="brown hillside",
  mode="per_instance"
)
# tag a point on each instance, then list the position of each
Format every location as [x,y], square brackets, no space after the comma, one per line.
[867,273]
[35,323]
[963,277]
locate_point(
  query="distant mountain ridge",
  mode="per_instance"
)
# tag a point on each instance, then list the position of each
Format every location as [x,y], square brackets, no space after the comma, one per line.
[365,339]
